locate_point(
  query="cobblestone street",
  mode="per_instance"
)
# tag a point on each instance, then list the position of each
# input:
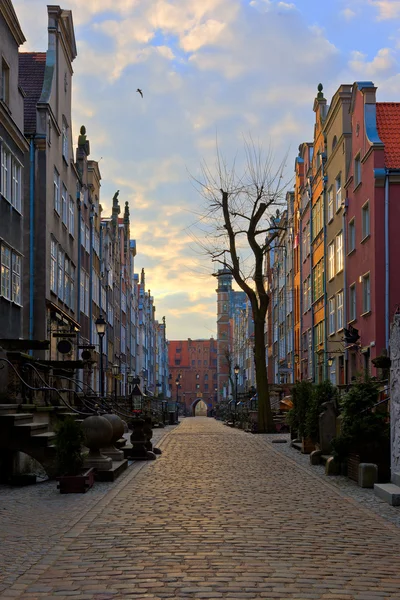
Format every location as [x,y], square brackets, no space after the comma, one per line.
[221,514]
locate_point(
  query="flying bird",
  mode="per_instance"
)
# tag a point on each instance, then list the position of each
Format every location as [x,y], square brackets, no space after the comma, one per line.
[140,92]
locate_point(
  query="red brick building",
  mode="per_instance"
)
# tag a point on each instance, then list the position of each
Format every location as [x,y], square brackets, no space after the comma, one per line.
[194,363]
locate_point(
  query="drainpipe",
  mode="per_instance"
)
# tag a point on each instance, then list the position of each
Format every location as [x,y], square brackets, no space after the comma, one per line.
[324,179]
[312,288]
[345,311]
[31,234]
[78,299]
[300,291]
[387,276]
[91,273]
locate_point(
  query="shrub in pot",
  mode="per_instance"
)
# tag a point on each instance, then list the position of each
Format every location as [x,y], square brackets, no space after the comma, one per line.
[321,393]
[365,432]
[302,393]
[69,440]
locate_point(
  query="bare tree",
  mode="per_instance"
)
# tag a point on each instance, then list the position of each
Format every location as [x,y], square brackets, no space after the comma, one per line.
[238,226]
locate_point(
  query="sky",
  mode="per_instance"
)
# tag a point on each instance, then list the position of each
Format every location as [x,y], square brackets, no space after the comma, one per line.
[209,70]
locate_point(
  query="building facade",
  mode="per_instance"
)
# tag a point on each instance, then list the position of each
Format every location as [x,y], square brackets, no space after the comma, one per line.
[14,167]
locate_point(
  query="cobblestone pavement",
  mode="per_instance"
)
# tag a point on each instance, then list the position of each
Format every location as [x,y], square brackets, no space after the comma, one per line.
[221,514]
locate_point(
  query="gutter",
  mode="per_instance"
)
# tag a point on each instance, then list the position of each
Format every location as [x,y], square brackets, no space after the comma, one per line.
[31,233]
[345,311]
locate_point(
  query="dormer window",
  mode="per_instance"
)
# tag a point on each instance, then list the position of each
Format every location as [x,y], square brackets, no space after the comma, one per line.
[5,82]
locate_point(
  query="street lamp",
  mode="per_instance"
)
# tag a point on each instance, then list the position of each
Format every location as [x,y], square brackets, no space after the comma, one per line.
[330,361]
[236,370]
[115,372]
[177,399]
[101,330]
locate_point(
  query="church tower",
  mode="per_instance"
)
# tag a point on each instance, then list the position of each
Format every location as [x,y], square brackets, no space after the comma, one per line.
[224,292]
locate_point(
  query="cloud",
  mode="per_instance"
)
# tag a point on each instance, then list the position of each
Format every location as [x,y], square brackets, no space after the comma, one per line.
[383,63]
[387,9]
[348,14]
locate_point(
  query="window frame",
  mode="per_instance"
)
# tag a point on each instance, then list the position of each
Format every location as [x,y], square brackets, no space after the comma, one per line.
[332,315]
[366,278]
[56,192]
[5,81]
[365,219]
[338,192]
[352,302]
[357,170]
[330,204]
[339,310]
[339,252]
[331,261]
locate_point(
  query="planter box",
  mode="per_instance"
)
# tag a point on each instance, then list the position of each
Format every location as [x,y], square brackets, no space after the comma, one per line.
[353,462]
[76,484]
[307,446]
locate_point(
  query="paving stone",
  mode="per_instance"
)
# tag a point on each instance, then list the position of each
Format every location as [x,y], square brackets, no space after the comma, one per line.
[220,514]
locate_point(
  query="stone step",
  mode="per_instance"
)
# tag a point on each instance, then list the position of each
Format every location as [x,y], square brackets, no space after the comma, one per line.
[30,428]
[6,409]
[396,479]
[117,468]
[389,492]
[296,445]
[11,419]
[43,439]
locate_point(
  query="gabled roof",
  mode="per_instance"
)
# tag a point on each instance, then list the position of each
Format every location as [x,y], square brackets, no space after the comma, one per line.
[388,124]
[31,76]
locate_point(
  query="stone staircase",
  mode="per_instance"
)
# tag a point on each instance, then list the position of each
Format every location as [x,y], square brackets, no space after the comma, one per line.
[20,433]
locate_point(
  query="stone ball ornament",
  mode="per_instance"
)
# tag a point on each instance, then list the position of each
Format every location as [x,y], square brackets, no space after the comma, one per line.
[98,432]
[117,425]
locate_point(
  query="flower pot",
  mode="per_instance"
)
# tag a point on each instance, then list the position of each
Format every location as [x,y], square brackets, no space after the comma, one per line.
[307,445]
[76,484]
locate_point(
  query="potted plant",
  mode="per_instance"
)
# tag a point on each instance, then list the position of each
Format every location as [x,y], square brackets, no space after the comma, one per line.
[302,394]
[73,478]
[365,431]
[321,393]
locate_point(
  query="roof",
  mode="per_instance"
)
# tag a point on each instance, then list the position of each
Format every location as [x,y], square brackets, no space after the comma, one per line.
[388,124]
[31,76]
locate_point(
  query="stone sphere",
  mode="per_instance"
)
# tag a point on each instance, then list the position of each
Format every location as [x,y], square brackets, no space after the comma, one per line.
[118,426]
[98,432]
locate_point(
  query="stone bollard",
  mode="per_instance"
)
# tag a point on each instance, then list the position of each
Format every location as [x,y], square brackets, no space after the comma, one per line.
[148,431]
[367,475]
[98,433]
[118,431]
[139,441]
[315,457]
[332,467]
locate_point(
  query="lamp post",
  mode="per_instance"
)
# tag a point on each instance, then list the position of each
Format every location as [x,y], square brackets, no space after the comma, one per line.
[115,372]
[177,398]
[130,378]
[236,370]
[101,330]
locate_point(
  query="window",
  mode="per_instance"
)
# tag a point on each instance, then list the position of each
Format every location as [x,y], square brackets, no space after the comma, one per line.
[5,82]
[64,207]
[177,361]
[123,302]
[338,190]
[319,334]
[365,221]
[339,310]
[82,232]
[205,363]
[317,215]
[318,280]
[357,170]
[67,281]
[352,235]
[104,300]
[65,140]
[332,372]
[366,290]
[72,302]
[71,211]
[332,319]
[61,281]
[53,266]
[16,278]
[110,314]
[330,204]
[5,172]
[331,261]
[306,240]
[56,191]
[87,239]
[6,272]
[193,363]
[16,185]
[96,288]
[339,252]
[307,293]
[123,339]
[352,302]
[85,292]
